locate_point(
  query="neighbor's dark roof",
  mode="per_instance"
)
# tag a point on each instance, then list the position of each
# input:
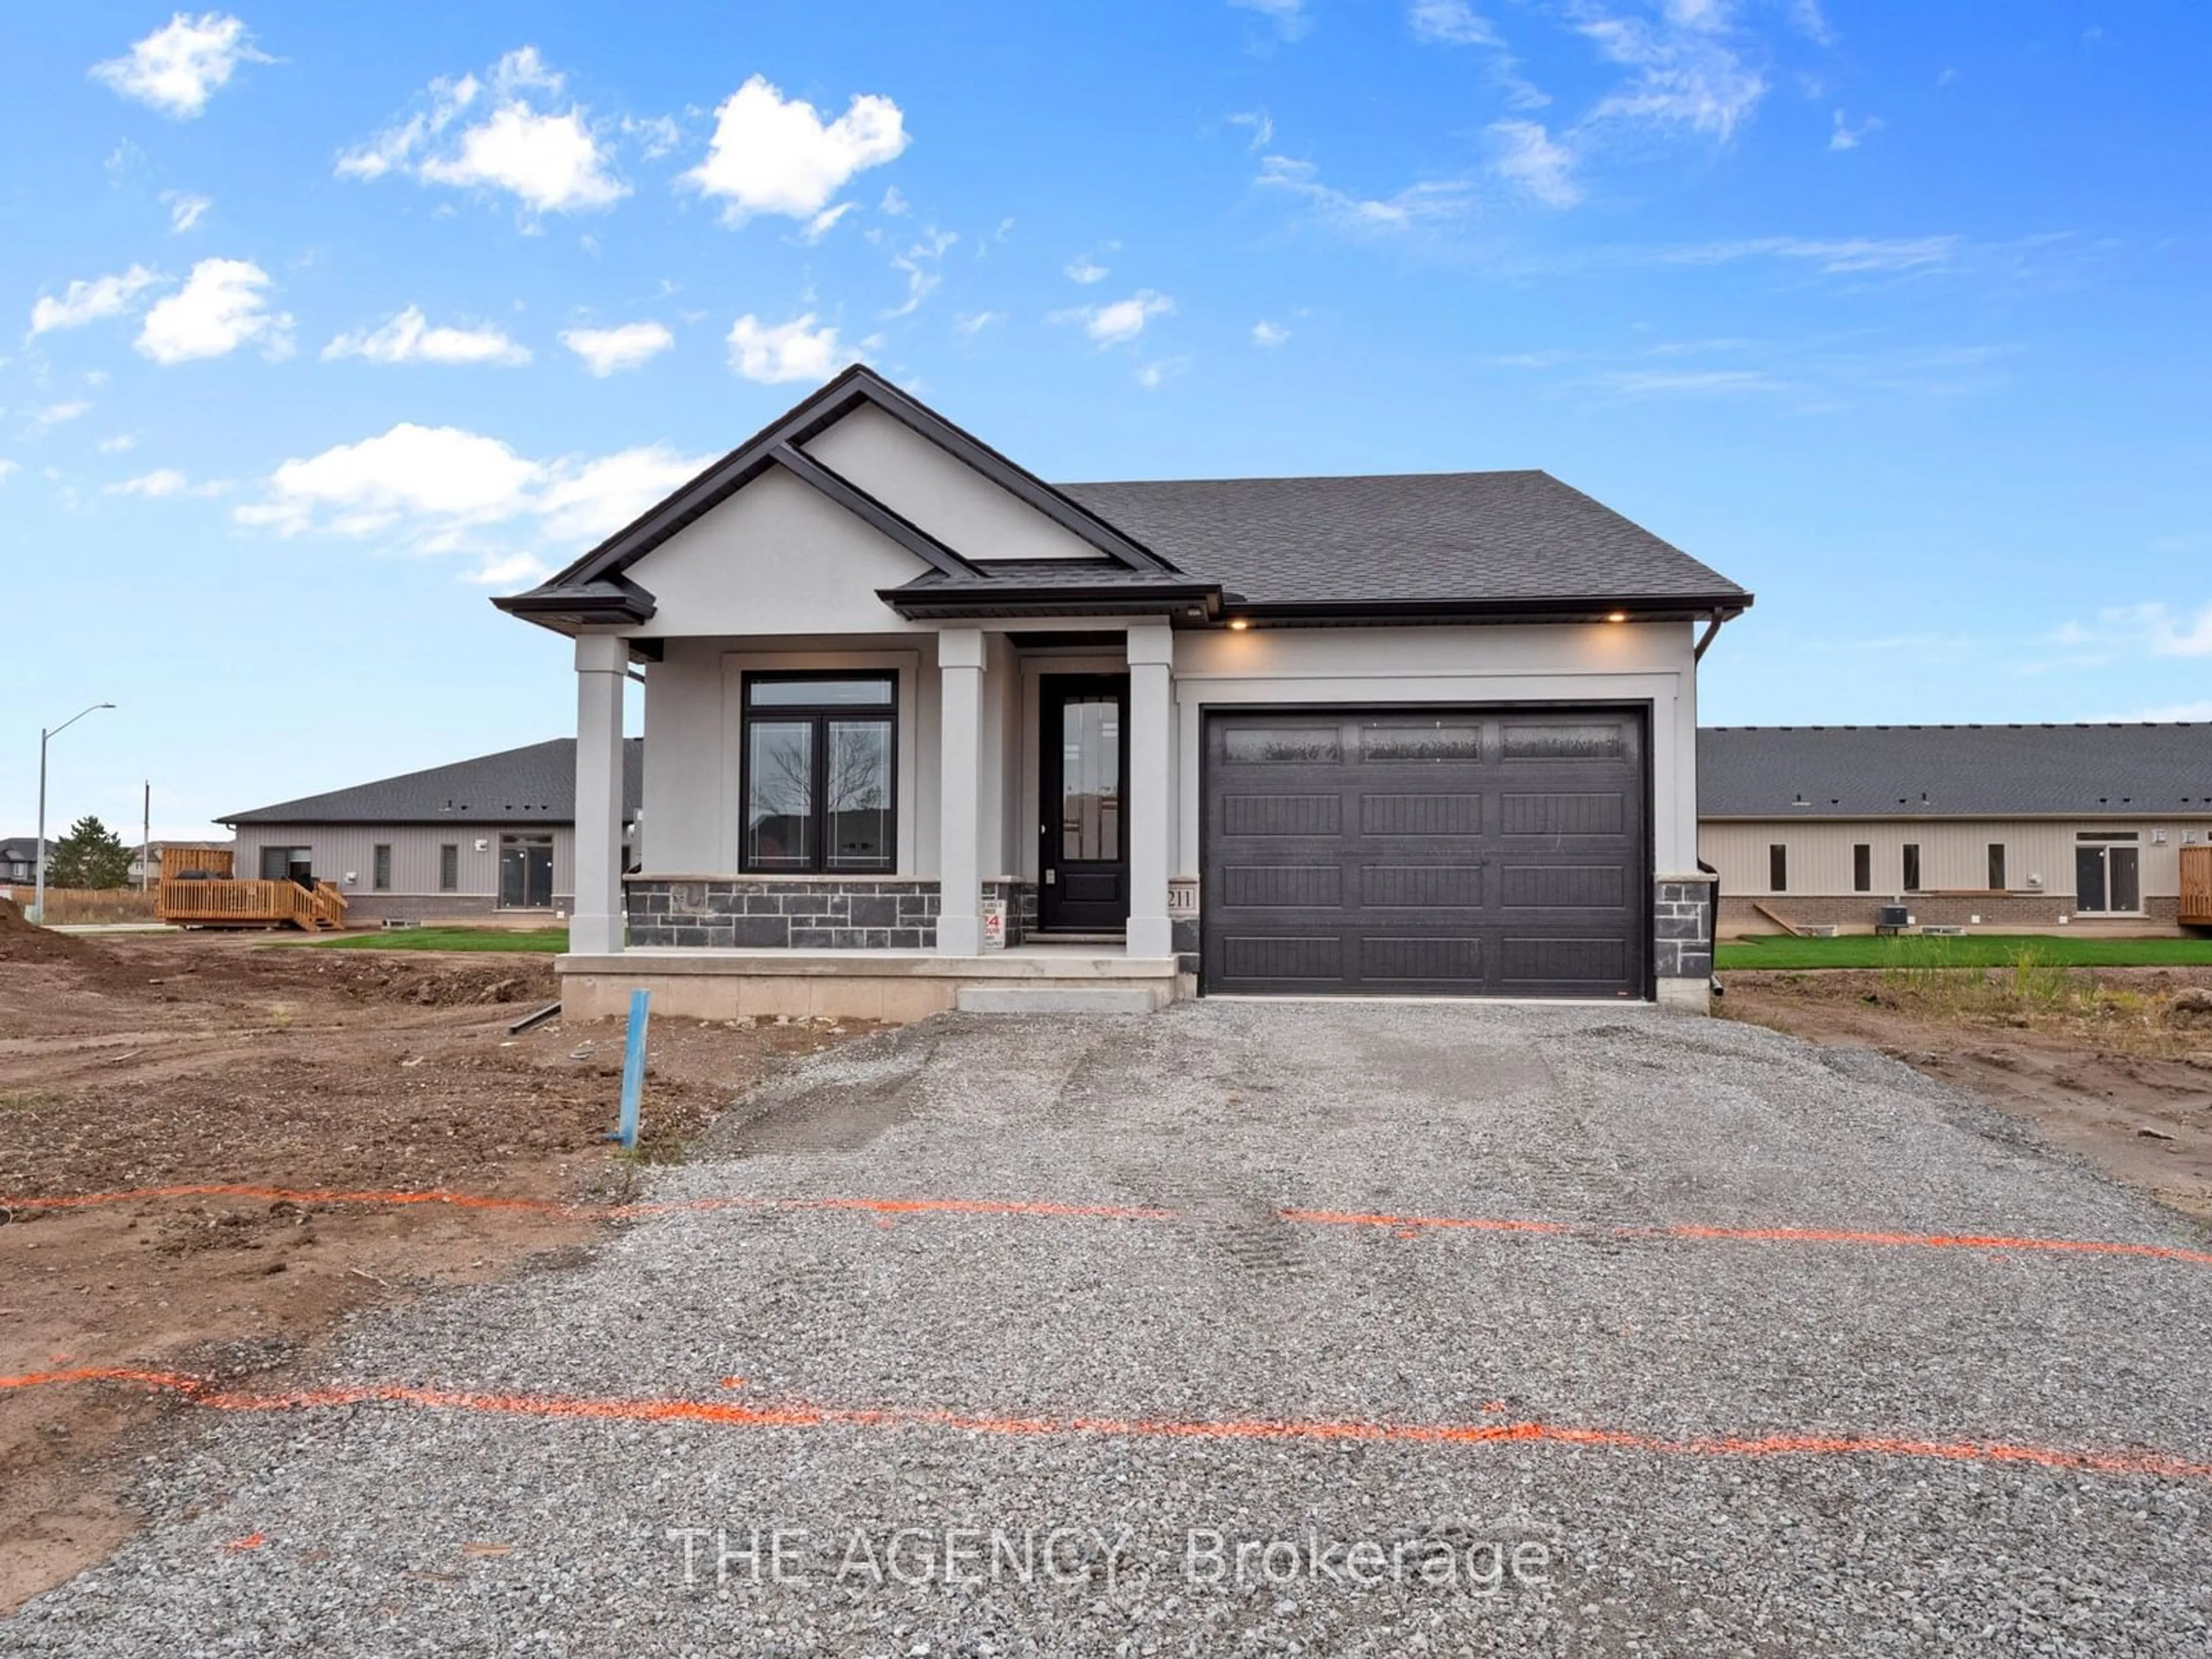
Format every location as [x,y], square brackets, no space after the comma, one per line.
[19,849]
[1422,536]
[536,784]
[1953,771]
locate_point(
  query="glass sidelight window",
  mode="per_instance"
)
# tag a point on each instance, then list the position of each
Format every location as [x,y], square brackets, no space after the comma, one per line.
[1090,779]
[819,761]
[2107,873]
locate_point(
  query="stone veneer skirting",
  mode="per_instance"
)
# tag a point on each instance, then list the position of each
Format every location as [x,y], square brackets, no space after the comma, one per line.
[776,912]
[1682,929]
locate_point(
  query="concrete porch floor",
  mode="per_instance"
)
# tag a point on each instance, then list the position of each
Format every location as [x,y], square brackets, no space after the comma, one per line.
[893,986]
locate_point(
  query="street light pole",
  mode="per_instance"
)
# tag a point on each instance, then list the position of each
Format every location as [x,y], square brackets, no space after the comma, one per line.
[38,909]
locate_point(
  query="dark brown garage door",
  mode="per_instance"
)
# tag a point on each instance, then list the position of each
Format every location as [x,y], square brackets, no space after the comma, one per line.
[1484,852]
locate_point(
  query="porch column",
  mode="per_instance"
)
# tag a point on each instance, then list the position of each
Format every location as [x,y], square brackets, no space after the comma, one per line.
[1151,772]
[959,792]
[595,926]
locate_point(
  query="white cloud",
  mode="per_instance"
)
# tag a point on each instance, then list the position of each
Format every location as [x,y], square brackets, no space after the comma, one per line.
[185,209]
[179,65]
[510,570]
[1686,72]
[1423,204]
[1084,267]
[1532,160]
[1450,22]
[165,481]
[589,502]
[121,443]
[444,490]
[1121,321]
[1157,374]
[408,338]
[1844,136]
[1847,256]
[1263,126]
[826,220]
[657,135]
[7,467]
[770,154]
[796,351]
[88,301]
[56,414]
[607,351]
[920,264]
[1265,333]
[549,157]
[895,205]
[2153,628]
[221,307]
[974,322]
[1289,16]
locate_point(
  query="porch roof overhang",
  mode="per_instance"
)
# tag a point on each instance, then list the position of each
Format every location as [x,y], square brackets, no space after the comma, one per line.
[607,601]
[1057,588]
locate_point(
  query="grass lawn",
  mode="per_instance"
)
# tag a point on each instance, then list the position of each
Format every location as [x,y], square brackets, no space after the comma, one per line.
[1967,950]
[543,939]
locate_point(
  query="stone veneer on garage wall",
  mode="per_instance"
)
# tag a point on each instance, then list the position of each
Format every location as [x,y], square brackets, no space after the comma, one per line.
[1682,929]
[772,912]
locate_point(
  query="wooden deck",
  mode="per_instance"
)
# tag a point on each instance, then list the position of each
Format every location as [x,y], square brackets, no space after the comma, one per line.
[2195,887]
[251,905]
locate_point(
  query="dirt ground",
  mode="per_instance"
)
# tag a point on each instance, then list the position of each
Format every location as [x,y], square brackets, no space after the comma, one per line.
[2101,1063]
[210,1059]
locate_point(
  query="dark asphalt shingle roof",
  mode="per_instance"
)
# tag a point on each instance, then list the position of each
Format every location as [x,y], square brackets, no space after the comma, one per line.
[1404,536]
[533,784]
[1953,771]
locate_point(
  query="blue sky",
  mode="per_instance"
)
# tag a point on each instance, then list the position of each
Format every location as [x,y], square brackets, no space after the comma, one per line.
[327,323]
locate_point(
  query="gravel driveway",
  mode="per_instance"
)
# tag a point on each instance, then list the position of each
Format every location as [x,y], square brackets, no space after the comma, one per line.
[1193,1372]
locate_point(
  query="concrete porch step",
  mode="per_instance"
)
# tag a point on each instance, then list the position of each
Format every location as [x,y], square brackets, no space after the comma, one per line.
[1054,999]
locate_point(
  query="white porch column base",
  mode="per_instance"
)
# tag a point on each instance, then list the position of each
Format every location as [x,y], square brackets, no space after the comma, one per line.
[597,925]
[1151,778]
[960,776]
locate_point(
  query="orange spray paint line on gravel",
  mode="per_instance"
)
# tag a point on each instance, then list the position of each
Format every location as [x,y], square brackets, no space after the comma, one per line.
[200,1392]
[1403,1226]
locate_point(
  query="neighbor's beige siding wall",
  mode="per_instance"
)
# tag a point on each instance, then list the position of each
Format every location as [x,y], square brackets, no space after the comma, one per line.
[339,849]
[1953,853]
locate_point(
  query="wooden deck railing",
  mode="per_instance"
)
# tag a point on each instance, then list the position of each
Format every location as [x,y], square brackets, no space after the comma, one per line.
[2197,885]
[252,903]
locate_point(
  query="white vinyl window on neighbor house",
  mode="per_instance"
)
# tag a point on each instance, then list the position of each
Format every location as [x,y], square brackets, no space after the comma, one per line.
[2107,872]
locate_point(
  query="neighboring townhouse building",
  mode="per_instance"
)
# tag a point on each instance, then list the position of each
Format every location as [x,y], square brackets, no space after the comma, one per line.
[2022,825]
[904,701]
[479,838]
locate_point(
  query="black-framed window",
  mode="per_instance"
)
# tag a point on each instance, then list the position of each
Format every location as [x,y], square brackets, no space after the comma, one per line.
[1862,867]
[380,867]
[449,866]
[1911,861]
[820,759]
[1777,868]
[1996,866]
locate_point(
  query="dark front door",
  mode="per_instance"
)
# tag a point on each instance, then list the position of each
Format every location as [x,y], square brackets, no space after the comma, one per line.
[1083,864]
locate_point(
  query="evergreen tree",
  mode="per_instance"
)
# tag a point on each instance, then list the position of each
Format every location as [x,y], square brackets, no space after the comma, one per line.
[90,855]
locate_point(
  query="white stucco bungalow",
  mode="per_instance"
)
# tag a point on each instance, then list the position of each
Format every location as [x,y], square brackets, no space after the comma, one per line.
[924,732]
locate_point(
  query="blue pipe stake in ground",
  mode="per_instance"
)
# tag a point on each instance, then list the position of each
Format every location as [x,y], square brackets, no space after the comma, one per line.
[641,1003]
